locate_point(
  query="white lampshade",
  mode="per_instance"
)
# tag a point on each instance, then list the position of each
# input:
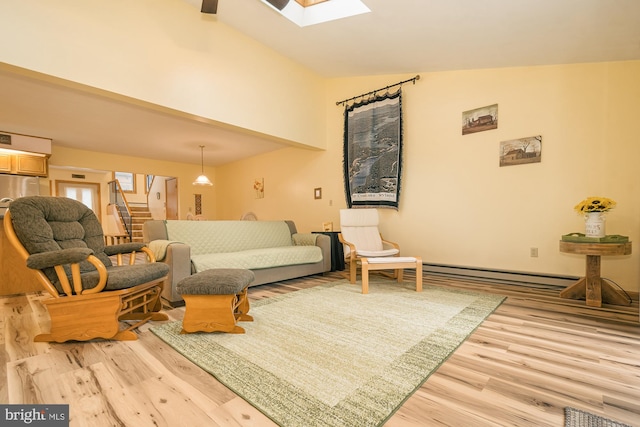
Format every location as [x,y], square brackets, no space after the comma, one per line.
[202,179]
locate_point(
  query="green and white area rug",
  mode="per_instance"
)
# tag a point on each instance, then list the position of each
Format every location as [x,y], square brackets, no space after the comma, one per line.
[577,418]
[331,356]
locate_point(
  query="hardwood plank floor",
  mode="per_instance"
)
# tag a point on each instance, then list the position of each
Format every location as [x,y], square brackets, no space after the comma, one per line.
[535,355]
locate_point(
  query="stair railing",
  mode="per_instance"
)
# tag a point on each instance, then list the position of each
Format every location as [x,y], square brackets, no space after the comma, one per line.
[117,198]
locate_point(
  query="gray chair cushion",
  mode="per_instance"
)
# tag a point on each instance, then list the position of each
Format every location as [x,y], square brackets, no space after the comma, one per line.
[216,281]
[126,276]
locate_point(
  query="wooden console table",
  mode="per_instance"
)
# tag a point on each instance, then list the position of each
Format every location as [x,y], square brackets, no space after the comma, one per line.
[592,287]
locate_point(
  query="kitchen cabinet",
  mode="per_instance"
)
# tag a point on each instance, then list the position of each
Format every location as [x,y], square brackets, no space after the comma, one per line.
[31,165]
[5,163]
[24,164]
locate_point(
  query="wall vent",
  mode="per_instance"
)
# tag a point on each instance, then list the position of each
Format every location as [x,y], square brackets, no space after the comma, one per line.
[75,175]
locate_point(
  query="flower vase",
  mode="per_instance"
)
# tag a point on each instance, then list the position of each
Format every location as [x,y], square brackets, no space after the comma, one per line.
[594,224]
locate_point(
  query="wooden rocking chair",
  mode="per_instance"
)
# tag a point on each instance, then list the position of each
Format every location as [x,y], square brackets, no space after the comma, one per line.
[62,241]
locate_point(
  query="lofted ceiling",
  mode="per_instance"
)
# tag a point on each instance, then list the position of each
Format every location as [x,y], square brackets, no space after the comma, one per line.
[396,37]
[409,36]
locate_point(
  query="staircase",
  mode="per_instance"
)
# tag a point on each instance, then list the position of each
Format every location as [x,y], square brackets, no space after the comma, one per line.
[139,215]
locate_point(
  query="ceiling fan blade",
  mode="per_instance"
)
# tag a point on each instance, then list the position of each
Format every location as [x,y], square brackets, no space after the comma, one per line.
[209,6]
[278,4]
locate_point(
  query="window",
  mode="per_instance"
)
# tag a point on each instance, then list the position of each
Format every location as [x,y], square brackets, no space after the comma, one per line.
[86,192]
[127,181]
[148,182]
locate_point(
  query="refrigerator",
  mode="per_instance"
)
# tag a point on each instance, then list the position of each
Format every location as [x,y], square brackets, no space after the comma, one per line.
[14,186]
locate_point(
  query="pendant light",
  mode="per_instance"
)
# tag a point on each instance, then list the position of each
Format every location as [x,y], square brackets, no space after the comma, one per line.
[202,179]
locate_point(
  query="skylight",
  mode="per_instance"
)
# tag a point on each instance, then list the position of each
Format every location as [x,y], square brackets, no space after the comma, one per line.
[321,12]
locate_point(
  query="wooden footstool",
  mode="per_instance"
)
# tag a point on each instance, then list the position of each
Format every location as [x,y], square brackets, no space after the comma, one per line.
[215,300]
[388,263]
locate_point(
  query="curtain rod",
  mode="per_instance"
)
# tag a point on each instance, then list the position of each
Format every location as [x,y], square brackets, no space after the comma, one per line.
[413,79]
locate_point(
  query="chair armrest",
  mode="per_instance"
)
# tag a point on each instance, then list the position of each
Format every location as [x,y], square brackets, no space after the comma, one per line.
[63,256]
[123,248]
[71,258]
[351,246]
[130,249]
[304,239]
[324,243]
[315,239]
[389,243]
[178,258]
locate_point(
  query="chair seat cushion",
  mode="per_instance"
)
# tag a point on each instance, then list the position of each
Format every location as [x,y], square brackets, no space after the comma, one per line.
[125,276]
[382,253]
[217,281]
[255,259]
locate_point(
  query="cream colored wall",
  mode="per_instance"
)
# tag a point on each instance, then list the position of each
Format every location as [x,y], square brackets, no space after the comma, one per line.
[169,54]
[458,206]
[185,173]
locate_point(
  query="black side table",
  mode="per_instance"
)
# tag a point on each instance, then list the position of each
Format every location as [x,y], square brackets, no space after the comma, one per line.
[337,253]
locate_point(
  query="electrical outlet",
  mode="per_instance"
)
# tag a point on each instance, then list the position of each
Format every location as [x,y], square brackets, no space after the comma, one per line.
[533,252]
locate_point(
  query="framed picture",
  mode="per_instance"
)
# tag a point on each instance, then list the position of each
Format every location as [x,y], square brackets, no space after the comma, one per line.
[480,119]
[258,187]
[127,181]
[521,151]
[317,193]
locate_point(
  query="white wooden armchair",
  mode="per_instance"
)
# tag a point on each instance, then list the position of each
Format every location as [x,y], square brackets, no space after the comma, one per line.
[62,241]
[361,237]
[365,246]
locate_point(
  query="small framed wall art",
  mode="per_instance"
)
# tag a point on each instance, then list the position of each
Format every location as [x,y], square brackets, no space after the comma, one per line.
[480,119]
[258,187]
[521,151]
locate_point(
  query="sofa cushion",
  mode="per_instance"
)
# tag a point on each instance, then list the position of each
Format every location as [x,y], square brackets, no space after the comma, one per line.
[207,237]
[255,259]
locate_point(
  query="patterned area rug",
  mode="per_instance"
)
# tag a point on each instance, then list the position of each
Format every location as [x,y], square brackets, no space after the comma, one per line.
[577,418]
[331,356]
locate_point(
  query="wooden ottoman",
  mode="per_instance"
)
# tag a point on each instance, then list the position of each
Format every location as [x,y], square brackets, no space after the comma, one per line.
[391,262]
[215,300]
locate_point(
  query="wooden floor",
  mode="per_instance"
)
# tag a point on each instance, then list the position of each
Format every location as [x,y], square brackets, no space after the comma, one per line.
[535,355]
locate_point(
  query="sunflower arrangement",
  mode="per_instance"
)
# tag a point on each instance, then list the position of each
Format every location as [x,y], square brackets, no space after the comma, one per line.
[595,204]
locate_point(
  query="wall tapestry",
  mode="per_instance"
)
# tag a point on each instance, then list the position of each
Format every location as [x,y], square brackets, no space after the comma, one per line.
[373,151]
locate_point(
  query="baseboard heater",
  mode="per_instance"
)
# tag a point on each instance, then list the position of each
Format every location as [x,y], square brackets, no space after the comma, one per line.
[501,276]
